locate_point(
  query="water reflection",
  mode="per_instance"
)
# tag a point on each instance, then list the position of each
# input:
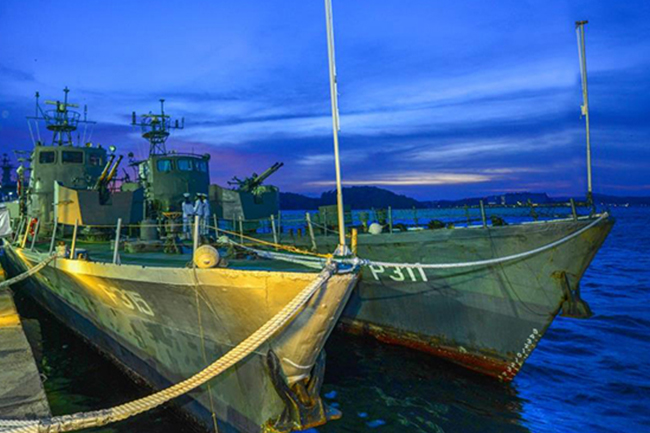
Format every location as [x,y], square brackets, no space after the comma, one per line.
[400,390]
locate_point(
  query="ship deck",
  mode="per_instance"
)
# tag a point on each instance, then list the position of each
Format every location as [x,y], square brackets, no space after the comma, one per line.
[102,252]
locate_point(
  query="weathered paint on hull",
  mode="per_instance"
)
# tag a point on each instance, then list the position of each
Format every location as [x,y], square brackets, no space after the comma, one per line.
[146,319]
[488,319]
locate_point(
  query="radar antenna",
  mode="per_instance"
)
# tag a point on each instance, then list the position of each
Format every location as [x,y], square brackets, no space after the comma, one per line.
[156,127]
[60,120]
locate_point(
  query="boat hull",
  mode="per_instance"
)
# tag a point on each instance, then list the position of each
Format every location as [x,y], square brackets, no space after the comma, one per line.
[486,318]
[162,325]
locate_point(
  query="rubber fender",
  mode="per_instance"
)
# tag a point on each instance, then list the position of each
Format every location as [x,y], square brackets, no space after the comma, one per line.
[206,257]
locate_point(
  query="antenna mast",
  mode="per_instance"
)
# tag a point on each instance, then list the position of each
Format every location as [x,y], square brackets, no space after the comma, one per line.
[342,249]
[580,32]
[155,129]
[60,120]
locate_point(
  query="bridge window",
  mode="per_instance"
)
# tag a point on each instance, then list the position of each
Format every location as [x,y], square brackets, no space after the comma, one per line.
[201,166]
[164,165]
[185,164]
[46,157]
[95,159]
[72,157]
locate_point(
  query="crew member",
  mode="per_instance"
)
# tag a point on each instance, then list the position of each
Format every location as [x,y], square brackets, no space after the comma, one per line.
[188,214]
[198,210]
[206,214]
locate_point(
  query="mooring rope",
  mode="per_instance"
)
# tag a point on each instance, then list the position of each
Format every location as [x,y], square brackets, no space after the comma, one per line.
[28,273]
[311,261]
[118,413]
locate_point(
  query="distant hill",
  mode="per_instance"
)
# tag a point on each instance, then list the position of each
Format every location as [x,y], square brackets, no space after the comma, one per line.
[358,197]
[292,201]
[367,197]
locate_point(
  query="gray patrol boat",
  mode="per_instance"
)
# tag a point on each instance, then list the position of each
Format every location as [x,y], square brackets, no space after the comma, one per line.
[164,317]
[481,296]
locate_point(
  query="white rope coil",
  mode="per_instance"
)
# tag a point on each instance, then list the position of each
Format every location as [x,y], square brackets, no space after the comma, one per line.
[242,350]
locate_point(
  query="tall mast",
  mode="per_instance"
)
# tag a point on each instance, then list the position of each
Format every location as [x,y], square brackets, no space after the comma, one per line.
[335,124]
[155,128]
[580,32]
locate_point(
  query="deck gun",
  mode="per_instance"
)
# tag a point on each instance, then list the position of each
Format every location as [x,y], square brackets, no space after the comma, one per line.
[253,184]
[106,177]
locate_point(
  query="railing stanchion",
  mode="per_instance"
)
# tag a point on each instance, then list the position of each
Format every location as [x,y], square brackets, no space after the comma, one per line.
[36,229]
[353,243]
[483,218]
[54,229]
[18,231]
[195,243]
[241,230]
[216,225]
[574,213]
[74,239]
[310,227]
[116,247]
[275,234]
[390,219]
[27,226]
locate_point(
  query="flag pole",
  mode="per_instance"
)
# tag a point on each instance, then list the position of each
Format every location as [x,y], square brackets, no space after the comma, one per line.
[580,32]
[342,249]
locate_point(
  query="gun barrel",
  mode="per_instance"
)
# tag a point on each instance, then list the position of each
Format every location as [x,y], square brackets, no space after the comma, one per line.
[268,172]
[104,172]
[114,170]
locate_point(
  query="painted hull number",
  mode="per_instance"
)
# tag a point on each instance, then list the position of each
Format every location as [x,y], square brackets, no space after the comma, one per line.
[398,273]
[127,298]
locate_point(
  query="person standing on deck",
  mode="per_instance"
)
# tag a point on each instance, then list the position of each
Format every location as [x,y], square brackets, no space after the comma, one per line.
[198,211]
[206,215]
[188,214]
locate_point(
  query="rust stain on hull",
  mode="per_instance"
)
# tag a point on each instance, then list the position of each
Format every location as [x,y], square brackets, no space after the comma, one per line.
[491,366]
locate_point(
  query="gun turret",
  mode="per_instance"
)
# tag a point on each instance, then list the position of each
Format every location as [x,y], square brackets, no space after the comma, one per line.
[102,176]
[251,184]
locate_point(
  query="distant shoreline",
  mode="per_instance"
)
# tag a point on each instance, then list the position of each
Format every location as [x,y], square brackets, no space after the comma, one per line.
[367,197]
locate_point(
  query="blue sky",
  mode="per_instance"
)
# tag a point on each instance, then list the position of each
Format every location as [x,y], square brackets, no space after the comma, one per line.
[437,99]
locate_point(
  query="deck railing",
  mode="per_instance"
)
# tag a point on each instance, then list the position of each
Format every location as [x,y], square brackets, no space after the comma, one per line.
[286,226]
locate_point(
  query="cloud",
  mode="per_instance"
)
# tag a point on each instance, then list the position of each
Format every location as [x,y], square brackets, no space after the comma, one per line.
[412,179]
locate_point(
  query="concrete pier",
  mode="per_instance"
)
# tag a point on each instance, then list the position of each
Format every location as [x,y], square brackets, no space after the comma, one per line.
[21,392]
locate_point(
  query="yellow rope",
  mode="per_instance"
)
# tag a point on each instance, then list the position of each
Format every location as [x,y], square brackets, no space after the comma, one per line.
[273,244]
